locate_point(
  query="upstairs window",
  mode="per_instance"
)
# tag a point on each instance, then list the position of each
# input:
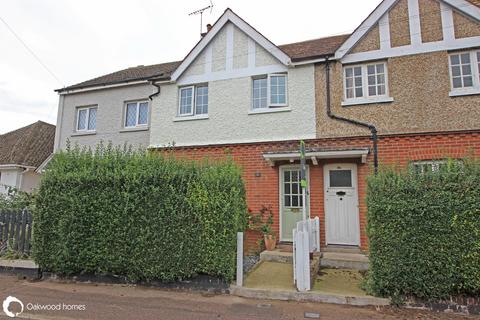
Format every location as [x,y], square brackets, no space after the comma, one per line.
[193,100]
[86,119]
[269,91]
[136,114]
[260,93]
[364,82]
[465,71]
[353,82]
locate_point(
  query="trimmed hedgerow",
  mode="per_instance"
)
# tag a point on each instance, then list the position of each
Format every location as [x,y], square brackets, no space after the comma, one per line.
[138,215]
[424,232]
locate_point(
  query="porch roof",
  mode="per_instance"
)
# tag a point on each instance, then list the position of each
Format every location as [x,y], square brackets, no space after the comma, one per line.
[314,154]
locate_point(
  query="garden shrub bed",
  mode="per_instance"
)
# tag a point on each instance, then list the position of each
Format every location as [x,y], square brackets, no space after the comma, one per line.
[424,232]
[138,215]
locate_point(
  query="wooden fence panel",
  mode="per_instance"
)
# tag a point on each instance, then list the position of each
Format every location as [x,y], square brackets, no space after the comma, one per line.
[15,230]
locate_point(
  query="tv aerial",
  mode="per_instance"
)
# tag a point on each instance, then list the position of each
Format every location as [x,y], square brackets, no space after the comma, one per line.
[200,12]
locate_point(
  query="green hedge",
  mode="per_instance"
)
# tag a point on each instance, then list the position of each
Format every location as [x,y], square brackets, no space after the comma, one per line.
[138,215]
[424,232]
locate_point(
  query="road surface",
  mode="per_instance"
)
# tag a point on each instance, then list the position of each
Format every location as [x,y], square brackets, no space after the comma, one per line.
[117,302]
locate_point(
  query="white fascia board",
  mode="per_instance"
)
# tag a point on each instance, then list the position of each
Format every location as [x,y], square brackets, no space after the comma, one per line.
[41,167]
[465,7]
[364,28]
[15,166]
[116,85]
[301,63]
[229,15]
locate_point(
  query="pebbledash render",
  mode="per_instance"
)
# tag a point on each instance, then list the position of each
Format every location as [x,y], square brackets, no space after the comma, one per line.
[402,89]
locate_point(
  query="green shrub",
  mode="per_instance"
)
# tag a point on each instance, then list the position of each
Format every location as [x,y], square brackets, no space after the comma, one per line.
[138,215]
[16,200]
[424,232]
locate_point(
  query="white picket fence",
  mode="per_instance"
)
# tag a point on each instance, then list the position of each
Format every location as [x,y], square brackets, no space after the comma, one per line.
[306,239]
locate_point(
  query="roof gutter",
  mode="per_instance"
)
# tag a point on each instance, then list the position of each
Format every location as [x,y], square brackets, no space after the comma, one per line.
[371,127]
[15,166]
[310,61]
[100,87]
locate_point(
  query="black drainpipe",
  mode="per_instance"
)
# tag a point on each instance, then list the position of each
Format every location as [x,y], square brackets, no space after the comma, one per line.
[150,97]
[371,127]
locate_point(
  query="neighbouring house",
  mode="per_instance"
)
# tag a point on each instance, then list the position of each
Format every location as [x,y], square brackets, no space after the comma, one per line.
[403,88]
[23,155]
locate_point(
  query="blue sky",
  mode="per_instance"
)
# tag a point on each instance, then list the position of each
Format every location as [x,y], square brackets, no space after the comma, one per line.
[79,40]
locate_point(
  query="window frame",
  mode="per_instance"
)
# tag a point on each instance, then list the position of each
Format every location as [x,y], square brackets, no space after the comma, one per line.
[193,112]
[269,90]
[435,164]
[366,97]
[87,108]
[475,67]
[270,105]
[202,85]
[137,116]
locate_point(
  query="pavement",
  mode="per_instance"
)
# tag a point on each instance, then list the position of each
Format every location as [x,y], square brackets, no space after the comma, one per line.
[117,302]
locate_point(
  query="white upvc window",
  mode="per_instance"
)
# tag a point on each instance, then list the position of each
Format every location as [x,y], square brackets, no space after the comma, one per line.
[366,83]
[269,91]
[428,166]
[136,114]
[464,72]
[86,119]
[193,100]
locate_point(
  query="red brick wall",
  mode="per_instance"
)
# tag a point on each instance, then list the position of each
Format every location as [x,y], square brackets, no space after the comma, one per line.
[262,184]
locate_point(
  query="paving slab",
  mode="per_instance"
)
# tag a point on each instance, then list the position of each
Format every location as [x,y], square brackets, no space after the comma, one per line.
[339,281]
[271,275]
[274,280]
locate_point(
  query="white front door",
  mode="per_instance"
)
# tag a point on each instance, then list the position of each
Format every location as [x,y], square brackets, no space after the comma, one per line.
[291,202]
[341,204]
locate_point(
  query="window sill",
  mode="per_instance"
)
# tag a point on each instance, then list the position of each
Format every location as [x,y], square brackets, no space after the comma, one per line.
[270,110]
[366,101]
[459,93]
[84,133]
[134,129]
[190,118]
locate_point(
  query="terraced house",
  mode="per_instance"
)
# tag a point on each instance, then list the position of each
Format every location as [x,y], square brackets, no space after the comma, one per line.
[403,88]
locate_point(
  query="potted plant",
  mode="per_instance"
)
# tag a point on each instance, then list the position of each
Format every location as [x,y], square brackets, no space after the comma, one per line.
[262,222]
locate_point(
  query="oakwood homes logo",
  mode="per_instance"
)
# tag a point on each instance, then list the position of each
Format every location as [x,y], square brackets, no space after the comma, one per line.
[9,301]
[6,306]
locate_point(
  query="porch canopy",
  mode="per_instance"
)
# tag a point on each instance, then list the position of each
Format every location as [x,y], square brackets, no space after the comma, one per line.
[314,154]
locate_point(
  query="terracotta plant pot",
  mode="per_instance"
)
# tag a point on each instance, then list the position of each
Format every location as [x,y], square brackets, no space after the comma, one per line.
[270,242]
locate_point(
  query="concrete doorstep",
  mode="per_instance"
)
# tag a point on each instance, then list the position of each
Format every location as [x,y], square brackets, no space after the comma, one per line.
[271,294]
